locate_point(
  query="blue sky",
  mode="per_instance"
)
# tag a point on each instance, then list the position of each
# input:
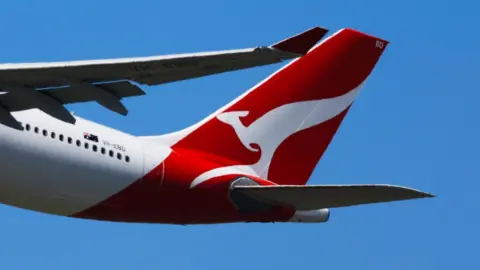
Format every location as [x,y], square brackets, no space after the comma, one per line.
[414,124]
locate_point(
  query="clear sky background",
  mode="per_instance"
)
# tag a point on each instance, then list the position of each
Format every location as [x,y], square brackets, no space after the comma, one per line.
[416,123]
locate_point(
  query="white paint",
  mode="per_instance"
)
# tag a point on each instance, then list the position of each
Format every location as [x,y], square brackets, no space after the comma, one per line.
[48,175]
[228,170]
[274,127]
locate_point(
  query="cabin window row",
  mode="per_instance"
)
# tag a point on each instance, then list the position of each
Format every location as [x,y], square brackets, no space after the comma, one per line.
[86,145]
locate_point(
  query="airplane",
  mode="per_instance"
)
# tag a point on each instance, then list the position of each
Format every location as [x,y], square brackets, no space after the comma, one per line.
[247,162]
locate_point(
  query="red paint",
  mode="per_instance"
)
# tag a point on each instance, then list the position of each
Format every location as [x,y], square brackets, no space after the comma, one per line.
[332,69]
[173,201]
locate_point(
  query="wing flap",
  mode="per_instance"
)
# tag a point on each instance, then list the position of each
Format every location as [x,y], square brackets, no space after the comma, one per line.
[15,101]
[324,196]
[76,94]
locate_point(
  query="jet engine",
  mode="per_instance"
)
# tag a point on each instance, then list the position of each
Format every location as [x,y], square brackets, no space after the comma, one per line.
[311,216]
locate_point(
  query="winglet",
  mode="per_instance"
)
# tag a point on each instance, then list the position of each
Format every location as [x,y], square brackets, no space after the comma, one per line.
[301,43]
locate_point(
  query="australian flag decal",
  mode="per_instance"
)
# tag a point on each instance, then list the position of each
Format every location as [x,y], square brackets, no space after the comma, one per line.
[90,136]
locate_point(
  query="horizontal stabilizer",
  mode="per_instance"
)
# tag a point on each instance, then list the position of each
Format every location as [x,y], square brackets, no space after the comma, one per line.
[323,196]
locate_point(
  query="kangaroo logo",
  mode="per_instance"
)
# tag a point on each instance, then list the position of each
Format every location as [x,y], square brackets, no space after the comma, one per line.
[271,129]
[233,119]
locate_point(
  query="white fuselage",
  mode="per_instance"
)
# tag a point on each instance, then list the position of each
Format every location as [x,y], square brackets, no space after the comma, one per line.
[50,167]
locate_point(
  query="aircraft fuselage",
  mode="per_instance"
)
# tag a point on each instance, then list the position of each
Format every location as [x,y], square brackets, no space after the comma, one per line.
[91,171]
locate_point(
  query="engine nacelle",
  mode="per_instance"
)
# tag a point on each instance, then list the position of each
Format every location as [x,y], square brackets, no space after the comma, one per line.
[311,216]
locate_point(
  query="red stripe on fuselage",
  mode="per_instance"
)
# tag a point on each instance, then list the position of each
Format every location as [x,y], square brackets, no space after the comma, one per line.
[164,196]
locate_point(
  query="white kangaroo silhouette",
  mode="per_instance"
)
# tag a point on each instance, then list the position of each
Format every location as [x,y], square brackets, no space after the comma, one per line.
[271,129]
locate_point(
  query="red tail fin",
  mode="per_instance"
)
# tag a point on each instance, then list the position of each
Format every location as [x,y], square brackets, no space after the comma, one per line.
[282,126]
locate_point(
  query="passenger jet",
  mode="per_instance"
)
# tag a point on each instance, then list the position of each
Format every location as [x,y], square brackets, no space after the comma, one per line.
[247,162]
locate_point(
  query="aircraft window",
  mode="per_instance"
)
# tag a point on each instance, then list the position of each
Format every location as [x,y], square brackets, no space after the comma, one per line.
[27,127]
[86,145]
[53,135]
[119,156]
[127,158]
[103,151]
[79,143]
[110,153]
[45,132]
[94,147]
[60,137]
[36,129]
[69,140]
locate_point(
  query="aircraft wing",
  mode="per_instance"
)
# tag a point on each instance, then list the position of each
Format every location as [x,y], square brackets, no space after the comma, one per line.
[325,196]
[42,85]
